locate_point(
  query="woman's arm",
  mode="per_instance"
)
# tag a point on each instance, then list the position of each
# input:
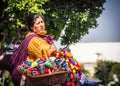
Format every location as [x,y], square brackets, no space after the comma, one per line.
[52,48]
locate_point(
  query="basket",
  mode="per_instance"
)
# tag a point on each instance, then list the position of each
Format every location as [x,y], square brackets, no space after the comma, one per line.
[48,79]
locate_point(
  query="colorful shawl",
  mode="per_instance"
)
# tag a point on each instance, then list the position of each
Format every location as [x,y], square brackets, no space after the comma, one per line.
[20,55]
[17,58]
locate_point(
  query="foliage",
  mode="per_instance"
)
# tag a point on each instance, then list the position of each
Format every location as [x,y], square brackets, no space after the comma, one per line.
[1,84]
[75,17]
[105,70]
[116,70]
[13,17]
[6,79]
[85,71]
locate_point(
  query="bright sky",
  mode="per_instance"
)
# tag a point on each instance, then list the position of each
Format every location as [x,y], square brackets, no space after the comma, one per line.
[109,24]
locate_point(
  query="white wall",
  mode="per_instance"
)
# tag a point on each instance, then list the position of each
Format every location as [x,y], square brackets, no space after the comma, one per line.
[86,52]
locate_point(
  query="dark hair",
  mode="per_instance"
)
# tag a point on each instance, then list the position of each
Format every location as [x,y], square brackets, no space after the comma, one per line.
[31,19]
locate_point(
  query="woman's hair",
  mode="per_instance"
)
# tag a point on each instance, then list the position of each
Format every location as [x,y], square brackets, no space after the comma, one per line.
[31,19]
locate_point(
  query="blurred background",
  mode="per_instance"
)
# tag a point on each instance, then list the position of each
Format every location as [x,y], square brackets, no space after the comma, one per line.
[98,51]
[101,46]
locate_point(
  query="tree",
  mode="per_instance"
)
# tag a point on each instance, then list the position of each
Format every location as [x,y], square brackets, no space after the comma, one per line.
[12,17]
[76,17]
[98,55]
[116,70]
[105,70]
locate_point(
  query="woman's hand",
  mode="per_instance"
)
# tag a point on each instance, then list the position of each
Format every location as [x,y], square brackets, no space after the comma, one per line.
[53,48]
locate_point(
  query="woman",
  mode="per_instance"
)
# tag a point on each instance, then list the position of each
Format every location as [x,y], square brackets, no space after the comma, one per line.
[36,45]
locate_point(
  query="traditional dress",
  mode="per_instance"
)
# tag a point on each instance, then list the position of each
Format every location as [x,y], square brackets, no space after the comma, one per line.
[38,47]
[33,46]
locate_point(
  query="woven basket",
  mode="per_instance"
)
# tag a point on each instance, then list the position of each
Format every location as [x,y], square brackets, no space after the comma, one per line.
[48,79]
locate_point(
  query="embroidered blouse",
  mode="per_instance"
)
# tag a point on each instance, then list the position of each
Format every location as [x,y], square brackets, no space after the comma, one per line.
[38,47]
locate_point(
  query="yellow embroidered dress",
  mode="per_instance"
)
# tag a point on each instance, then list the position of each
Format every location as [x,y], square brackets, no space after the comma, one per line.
[37,48]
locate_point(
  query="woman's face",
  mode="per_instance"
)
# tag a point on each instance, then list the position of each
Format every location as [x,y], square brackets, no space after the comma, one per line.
[39,25]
